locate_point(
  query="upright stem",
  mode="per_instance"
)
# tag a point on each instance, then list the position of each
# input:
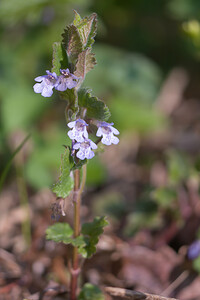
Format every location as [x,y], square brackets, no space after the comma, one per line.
[75,260]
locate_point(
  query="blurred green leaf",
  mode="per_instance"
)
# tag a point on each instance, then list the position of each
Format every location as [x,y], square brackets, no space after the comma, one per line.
[91,232]
[65,183]
[96,109]
[9,163]
[96,172]
[90,292]
[178,167]
[165,197]
[132,116]
[196,264]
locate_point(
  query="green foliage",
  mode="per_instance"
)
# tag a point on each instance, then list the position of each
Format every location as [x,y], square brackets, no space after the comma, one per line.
[62,232]
[91,232]
[65,183]
[178,167]
[165,197]
[9,163]
[59,232]
[59,60]
[90,292]
[86,242]
[86,62]
[196,264]
[87,28]
[96,109]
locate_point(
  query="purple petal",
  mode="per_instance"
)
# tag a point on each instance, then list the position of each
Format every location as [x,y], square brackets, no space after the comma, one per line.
[71,124]
[76,146]
[38,87]
[47,91]
[80,154]
[99,132]
[93,145]
[89,155]
[114,130]
[114,140]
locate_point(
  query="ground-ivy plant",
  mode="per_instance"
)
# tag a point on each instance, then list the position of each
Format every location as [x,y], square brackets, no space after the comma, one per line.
[86,118]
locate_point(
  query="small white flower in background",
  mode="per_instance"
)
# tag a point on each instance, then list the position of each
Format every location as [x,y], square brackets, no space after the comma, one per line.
[66,80]
[79,131]
[46,85]
[107,131]
[85,149]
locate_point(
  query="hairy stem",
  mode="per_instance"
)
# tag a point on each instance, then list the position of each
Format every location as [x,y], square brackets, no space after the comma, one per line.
[75,260]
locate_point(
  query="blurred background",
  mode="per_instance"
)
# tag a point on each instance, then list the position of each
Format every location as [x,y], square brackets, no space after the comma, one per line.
[148,72]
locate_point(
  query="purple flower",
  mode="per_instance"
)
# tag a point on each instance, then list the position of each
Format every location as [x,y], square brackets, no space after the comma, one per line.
[66,80]
[79,131]
[107,131]
[194,250]
[85,149]
[46,85]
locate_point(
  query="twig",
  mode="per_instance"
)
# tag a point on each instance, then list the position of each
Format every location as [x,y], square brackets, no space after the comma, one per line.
[133,295]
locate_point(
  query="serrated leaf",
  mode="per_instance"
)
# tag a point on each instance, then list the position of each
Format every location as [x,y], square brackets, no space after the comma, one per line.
[65,183]
[77,18]
[60,60]
[96,109]
[72,42]
[85,63]
[87,28]
[90,292]
[62,232]
[59,232]
[91,232]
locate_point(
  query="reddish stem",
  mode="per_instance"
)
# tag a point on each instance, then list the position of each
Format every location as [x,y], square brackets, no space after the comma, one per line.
[75,259]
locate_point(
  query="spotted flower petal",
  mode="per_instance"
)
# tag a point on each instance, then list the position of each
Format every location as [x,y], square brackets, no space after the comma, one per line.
[45,84]
[66,80]
[85,149]
[107,131]
[79,130]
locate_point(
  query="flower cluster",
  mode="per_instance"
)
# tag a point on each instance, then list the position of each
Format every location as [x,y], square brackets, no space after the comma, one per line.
[46,83]
[85,146]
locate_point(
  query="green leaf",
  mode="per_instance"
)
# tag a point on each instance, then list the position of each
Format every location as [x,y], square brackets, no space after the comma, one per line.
[90,292]
[60,60]
[72,42]
[77,18]
[59,232]
[91,232]
[87,28]
[165,197]
[178,167]
[196,264]
[65,183]
[62,232]
[85,63]
[96,109]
